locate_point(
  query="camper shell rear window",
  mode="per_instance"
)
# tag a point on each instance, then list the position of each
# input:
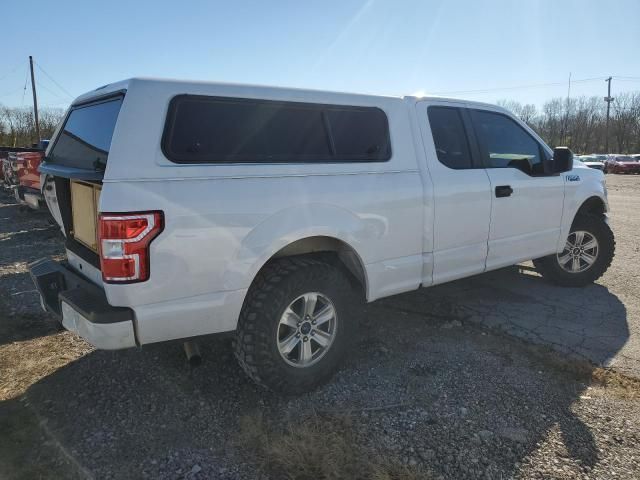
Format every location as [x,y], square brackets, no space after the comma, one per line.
[203,129]
[85,139]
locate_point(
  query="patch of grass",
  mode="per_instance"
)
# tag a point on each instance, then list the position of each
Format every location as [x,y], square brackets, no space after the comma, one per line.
[617,383]
[316,448]
[26,362]
[614,382]
[581,370]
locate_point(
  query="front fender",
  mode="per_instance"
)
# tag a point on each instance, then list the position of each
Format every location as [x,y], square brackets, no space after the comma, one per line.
[589,184]
[296,223]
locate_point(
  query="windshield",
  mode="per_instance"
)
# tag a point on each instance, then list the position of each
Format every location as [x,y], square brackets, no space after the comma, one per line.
[85,140]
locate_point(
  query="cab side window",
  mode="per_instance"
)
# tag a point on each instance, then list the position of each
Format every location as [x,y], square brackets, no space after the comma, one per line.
[450,137]
[505,144]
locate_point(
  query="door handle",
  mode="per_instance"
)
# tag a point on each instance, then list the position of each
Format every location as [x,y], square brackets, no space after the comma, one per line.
[503,191]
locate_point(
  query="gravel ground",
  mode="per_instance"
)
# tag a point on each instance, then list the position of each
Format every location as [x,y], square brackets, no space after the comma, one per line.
[426,388]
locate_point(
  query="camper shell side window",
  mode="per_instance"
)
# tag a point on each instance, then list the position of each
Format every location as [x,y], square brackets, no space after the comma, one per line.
[205,129]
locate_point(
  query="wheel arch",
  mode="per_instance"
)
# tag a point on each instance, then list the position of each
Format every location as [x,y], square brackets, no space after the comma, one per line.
[593,205]
[328,248]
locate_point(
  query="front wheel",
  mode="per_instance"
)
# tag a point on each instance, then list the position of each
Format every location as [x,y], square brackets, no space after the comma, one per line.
[296,324]
[587,254]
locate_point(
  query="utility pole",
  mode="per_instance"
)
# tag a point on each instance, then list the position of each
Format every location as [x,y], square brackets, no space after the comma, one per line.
[35,99]
[607,99]
[566,115]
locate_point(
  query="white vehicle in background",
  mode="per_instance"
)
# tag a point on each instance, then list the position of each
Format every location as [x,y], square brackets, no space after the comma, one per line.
[592,161]
[196,208]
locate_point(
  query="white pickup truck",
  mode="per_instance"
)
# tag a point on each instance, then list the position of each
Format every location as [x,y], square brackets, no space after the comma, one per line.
[195,208]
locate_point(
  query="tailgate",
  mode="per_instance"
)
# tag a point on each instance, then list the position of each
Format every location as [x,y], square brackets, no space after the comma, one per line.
[73,171]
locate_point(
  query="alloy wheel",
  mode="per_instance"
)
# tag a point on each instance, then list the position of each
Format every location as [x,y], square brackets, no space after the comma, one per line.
[307,329]
[580,252]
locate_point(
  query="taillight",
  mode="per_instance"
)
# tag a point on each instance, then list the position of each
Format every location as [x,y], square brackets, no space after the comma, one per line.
[123,241]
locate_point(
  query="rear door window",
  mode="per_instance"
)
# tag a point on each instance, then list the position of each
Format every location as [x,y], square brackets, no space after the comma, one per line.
[85,139]
[450,137]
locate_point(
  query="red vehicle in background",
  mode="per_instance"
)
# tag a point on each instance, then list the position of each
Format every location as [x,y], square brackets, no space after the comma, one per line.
[621,164]
[28,188]
[20,173]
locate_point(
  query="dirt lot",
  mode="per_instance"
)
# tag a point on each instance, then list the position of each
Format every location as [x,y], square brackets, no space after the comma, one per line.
[458,381]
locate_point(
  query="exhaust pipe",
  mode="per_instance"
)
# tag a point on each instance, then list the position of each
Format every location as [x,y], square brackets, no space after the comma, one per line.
[192,351]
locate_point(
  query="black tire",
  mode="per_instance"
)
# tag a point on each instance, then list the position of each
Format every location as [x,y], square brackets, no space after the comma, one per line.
[275,287]
[550,268]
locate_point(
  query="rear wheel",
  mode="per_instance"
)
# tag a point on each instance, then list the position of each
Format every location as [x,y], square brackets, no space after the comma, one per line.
[587,254]
[295,324]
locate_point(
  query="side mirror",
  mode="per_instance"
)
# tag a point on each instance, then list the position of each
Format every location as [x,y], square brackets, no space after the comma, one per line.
[562,161]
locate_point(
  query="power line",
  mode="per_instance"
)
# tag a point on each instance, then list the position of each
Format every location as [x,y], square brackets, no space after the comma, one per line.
[51,92]
[519,87]
[627,79]
[55,105]
[24,90]
[11,92]
[17,89]
[56,83]
[10,71]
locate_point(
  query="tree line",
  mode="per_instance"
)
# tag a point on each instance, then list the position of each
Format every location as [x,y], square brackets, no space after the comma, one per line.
[17,125]
[579,123]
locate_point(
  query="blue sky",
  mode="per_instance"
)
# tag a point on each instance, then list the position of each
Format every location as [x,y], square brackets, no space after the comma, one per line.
[369,46]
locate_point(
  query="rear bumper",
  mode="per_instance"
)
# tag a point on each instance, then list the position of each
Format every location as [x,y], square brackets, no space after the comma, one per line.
[82,306]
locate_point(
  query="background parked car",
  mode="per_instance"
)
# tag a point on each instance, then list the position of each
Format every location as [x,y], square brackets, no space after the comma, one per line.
[28,189]
[621,164]
[592,162]
[20,173]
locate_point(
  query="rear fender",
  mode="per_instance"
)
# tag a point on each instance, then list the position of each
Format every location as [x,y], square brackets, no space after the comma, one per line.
[297,223]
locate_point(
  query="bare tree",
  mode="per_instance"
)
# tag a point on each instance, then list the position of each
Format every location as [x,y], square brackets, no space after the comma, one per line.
[626,111]
[579,123]
[17,128]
